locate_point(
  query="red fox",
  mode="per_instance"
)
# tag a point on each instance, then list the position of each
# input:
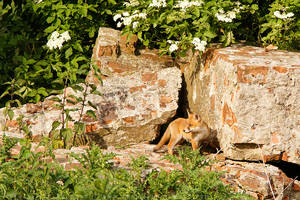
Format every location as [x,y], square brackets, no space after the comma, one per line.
[192,129]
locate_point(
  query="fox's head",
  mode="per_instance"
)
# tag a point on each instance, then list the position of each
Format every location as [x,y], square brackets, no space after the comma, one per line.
[194,121]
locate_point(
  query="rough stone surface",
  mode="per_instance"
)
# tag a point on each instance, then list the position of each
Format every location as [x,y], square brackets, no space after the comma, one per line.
[251,97]
[139,93]
[253,178]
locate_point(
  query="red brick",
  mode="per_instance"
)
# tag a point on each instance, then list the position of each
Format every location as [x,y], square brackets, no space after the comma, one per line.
[34,108]
[12,123]
[162,83]
[149,76]
[137,88]
[280,69]
[163,100]
[130,119]
[253,70]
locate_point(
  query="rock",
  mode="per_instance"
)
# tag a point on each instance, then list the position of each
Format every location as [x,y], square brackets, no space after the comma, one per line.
[255,179]
[138,94]
[251,97]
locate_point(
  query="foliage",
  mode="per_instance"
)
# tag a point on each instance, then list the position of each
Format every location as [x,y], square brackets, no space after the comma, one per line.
[64,135]
[173,25]
[29,176]
[30,70]
[282,25]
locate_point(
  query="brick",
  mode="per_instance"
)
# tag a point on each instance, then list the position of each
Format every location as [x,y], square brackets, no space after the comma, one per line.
[149,76]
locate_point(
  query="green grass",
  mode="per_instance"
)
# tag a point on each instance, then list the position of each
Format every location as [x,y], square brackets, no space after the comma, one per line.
[29,176]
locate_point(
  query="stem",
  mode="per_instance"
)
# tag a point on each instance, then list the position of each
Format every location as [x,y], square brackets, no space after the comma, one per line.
[63,110]
[81,111]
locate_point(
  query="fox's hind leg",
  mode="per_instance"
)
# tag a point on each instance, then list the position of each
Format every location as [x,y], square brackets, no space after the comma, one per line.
[173,141]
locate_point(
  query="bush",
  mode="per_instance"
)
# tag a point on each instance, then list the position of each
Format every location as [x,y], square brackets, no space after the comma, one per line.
[29,176]
[32,68]
[46,45]
[174,26]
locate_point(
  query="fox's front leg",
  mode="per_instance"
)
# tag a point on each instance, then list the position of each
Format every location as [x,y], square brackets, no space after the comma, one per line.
[194,144]
[173,141]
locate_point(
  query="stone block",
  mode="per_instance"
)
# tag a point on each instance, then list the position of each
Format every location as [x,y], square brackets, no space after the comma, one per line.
[139,93]
[251,97]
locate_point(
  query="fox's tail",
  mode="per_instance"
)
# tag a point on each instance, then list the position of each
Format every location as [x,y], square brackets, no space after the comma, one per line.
[165,138]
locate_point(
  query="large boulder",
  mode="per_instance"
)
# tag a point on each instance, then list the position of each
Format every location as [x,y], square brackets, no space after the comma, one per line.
[138,94]
[251,97]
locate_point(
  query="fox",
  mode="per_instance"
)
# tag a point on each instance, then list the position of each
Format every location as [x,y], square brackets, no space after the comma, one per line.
[192,129]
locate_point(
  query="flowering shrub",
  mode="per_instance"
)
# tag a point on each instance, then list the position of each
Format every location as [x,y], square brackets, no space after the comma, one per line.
[282,25]
[174,26]
[179,25]
[46,45]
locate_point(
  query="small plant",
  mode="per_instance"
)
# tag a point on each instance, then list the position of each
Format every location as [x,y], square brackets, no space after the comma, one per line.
[62,134]
[29,176]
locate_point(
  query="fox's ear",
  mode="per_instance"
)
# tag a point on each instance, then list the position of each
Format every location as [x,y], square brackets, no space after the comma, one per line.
[188,112]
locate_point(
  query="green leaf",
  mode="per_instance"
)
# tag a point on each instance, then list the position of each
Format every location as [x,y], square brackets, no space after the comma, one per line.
[30,61]
[69,52]
[92,105]
[67,134]
[91,114]
[55,99]
[50,29]
[78,47]
[113,2]
[10,114]
[50,19]
[79,127]
[55,124]
[37,98]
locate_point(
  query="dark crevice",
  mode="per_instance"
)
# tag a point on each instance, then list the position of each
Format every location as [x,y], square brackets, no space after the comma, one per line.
[292,170]
[180,112]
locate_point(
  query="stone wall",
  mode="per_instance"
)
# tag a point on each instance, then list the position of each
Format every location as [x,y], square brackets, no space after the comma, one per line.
[251,97]
[138,94]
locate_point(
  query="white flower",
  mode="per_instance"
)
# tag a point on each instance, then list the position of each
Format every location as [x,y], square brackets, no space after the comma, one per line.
[135,24]
[117,16]
[173,47]
[38,1]
[132,3]
[65,36]
[158,3]
[126,14]
[60,183]
[119,24]
[225,17]
[231,15]
[54,35]
[56,40]
[199,45]
[127,20]
[143,15]
[290,14]
[186,4]
[283,15]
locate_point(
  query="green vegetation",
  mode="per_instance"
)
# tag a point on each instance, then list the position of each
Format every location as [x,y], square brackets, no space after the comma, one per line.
[29,176]
[46,45]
